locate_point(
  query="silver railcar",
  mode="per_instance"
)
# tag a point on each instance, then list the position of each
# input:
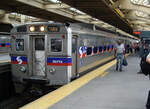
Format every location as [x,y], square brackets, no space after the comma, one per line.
[5,45]
[53,53]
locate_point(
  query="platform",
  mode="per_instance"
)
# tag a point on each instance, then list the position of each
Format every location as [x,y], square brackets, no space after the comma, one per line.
[116,90]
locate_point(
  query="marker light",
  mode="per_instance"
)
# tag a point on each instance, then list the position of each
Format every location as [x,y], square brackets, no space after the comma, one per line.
[32,28]
[42,28]
[22,69]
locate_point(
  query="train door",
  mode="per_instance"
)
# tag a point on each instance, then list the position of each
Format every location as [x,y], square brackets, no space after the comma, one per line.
[38,53]
[74,55]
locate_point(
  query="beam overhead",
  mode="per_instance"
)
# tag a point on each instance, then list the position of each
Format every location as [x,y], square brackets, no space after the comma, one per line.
[70,11]
[100,10]
[128,5]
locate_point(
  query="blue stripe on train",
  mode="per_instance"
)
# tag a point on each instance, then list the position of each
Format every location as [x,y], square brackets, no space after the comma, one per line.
[59,60]
[23,58]
[8,44]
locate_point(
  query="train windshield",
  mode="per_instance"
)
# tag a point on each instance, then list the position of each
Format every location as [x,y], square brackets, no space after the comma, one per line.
[19,44]
[56,45]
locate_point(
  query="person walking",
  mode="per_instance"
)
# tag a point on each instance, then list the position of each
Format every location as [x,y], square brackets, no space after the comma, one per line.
[145,66]
[119,53]
[143,52]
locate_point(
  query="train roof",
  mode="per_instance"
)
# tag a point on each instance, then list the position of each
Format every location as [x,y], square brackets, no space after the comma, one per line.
[77,27]
[82,26]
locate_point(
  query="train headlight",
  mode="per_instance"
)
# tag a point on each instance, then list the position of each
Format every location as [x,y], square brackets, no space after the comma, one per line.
[32,28]
[42,28]
[22,69]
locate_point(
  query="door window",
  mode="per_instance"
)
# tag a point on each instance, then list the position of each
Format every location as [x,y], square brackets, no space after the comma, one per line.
[73,45]
[39,44]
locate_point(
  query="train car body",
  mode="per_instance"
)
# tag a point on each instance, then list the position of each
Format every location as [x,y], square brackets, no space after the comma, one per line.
[53,53]
[5,45]
[5,42]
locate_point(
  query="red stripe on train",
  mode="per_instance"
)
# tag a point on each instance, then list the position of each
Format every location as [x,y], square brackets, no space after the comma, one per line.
[60,64]
[7,46]
[15,62]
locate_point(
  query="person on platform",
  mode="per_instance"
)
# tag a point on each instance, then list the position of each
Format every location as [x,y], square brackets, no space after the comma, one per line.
[119,53]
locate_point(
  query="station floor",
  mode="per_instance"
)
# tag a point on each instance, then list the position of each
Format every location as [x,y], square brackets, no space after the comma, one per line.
[116,90]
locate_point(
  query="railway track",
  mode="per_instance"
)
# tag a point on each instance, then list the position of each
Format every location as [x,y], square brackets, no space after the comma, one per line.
[6,84]
[19,100]
[5,67]
[8,98]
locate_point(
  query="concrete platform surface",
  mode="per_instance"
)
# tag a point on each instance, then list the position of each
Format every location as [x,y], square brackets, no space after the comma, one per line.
[116,90]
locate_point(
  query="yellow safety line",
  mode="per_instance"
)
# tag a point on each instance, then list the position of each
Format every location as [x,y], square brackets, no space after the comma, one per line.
[57,95]
[103,74]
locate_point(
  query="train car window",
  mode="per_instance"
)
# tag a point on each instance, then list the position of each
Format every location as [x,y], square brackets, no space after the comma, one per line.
[19,44]
[3,45]
[100,48]
[39,44]
[89,50]
[108,47]
[104,48]
[95,49]
[56,45]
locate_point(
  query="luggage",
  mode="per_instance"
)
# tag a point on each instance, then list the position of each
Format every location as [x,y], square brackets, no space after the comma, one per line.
[124,62]
[145,67]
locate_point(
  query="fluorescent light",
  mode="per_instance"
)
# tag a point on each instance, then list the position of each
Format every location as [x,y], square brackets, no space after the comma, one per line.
[76,10]
[55,1]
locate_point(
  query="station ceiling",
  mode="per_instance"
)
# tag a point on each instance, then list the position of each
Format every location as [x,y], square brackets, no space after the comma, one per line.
[137,12]
[101,10]
[31,9]
[127,15]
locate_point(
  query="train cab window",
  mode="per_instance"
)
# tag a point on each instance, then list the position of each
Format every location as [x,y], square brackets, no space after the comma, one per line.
[56,45]
[39,44]
[89,50]
[95,49]
[19,44]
